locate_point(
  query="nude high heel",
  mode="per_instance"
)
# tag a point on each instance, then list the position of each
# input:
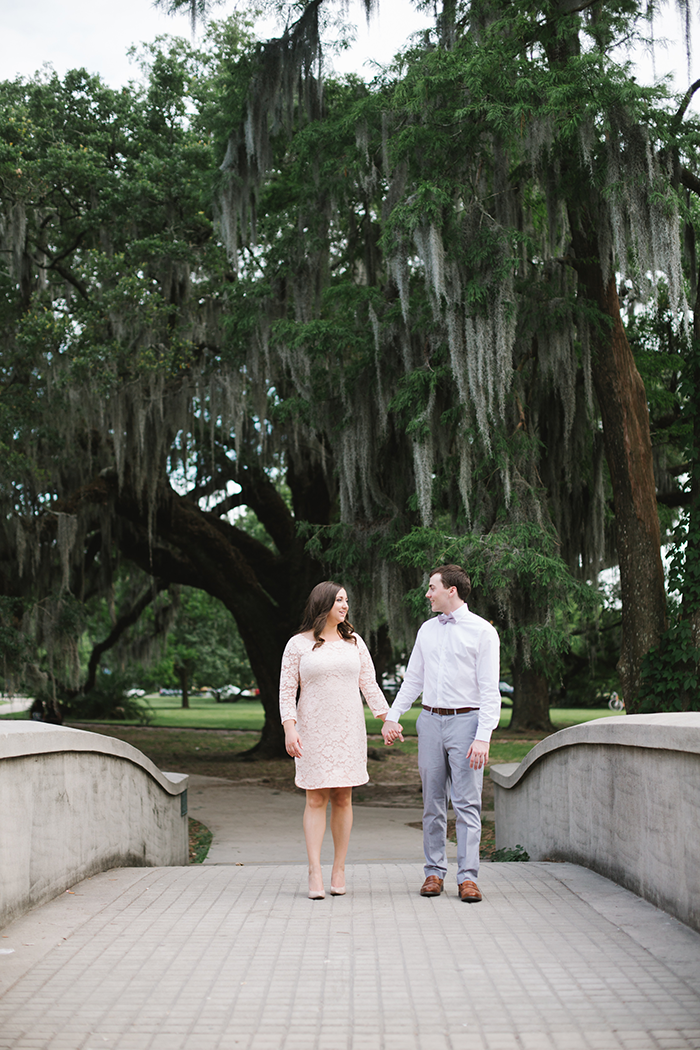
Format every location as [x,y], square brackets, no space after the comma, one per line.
[316,895]
[338,891]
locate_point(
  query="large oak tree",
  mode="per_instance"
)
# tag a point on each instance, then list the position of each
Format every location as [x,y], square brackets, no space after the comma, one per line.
[410,344]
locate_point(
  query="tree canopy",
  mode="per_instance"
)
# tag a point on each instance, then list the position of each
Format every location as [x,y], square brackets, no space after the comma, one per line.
[384,317]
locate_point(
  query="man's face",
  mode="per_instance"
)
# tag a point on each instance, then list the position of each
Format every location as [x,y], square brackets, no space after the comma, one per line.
[439,596]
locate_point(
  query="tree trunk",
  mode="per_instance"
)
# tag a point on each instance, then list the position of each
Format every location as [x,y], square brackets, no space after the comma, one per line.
[264,639]
[265,592]
[184,672]
[530,700]
[627,437]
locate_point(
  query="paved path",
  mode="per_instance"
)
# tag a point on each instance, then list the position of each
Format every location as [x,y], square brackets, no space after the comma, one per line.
[16,705]
[230,955]
[254,825]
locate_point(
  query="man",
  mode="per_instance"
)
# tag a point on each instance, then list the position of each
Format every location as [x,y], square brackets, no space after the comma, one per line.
[455,665]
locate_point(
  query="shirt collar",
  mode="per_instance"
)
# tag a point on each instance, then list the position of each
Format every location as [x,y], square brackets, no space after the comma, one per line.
[460,613]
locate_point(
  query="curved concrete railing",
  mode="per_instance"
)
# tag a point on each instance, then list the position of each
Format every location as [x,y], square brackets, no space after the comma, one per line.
[618,795]
[74,803]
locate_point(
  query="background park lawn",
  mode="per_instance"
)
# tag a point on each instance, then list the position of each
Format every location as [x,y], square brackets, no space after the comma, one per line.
[206,713]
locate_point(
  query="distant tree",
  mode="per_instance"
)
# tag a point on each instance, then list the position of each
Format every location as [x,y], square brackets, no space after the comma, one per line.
[203,646]
[131,427]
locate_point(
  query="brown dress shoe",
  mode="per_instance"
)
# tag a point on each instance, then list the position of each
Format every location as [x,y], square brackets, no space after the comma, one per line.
[469,892]
[432,887]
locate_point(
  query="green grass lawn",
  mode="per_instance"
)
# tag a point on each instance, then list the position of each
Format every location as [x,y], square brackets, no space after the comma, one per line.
[247,716]
[561,718]
[204,713]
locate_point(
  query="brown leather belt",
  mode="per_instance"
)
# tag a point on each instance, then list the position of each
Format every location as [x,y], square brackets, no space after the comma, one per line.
[448,710]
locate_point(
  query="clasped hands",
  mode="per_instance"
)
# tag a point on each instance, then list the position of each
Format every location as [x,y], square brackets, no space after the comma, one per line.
[392,731]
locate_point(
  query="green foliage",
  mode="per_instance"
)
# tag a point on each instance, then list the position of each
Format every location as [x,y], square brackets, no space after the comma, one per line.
[664,359]
[108,700]
[13,642]
[671,670]
[517,853]
[589,669]
[671,673]
[200,640]
[78,158]
[514,567]
[110,270]
[205,642]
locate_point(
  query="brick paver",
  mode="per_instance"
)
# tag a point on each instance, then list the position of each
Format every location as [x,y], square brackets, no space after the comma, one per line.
[237,958]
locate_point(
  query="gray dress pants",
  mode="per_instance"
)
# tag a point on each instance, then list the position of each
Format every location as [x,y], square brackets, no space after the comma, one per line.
[443,742]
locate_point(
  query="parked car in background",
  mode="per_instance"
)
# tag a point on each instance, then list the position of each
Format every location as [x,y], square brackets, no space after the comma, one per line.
[230,694]
[506,692]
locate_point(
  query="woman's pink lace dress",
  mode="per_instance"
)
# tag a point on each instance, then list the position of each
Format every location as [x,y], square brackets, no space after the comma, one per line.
[329,716]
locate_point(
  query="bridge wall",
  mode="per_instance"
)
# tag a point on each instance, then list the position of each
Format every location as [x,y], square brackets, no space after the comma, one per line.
[74,803]
[619,795]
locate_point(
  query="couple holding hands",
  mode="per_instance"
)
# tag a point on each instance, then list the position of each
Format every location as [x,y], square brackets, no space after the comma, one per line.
[454,667]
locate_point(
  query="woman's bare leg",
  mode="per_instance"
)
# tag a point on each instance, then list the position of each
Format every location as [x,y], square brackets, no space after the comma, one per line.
[314,830]
[341,826]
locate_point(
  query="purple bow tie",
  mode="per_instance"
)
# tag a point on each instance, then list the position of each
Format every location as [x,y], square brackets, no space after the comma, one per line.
[446,618]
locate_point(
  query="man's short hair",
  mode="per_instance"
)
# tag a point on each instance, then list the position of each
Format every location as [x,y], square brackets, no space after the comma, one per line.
[454,576]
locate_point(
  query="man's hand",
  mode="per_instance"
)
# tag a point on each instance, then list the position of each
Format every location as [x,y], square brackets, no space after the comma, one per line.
[478,754]
[391,731]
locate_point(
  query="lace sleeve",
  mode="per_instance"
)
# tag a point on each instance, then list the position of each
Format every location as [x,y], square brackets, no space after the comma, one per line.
[368,681]
[289,681]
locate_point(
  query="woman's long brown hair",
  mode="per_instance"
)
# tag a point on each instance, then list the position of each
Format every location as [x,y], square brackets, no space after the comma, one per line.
[318,605]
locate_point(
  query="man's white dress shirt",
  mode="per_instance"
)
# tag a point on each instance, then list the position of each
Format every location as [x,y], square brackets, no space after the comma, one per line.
[454,664]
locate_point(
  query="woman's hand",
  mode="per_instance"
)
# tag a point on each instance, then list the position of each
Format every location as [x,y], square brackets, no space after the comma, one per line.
[292,740]
[391,731]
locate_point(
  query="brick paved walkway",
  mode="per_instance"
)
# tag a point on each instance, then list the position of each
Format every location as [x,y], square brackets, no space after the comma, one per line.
[234,957]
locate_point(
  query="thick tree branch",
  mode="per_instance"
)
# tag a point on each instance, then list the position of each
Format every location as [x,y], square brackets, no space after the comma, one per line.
[68,276]
[572,7]
[674,498]
[191,547]
[123,623]
[228,504]
[262,497]
[687,98]
[690,181]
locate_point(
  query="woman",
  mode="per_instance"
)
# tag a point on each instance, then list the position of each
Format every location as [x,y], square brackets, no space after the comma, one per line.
[325,733]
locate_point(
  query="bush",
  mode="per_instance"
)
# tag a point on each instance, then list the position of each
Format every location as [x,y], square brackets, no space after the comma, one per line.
[108,700]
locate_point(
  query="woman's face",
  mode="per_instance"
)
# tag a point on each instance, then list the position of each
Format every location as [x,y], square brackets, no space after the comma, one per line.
[339,609]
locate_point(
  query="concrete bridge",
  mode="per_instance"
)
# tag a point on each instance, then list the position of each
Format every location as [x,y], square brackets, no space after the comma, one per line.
[231,955]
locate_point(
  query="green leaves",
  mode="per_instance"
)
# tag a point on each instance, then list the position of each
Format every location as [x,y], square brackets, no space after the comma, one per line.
[518,579]
[671,672]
